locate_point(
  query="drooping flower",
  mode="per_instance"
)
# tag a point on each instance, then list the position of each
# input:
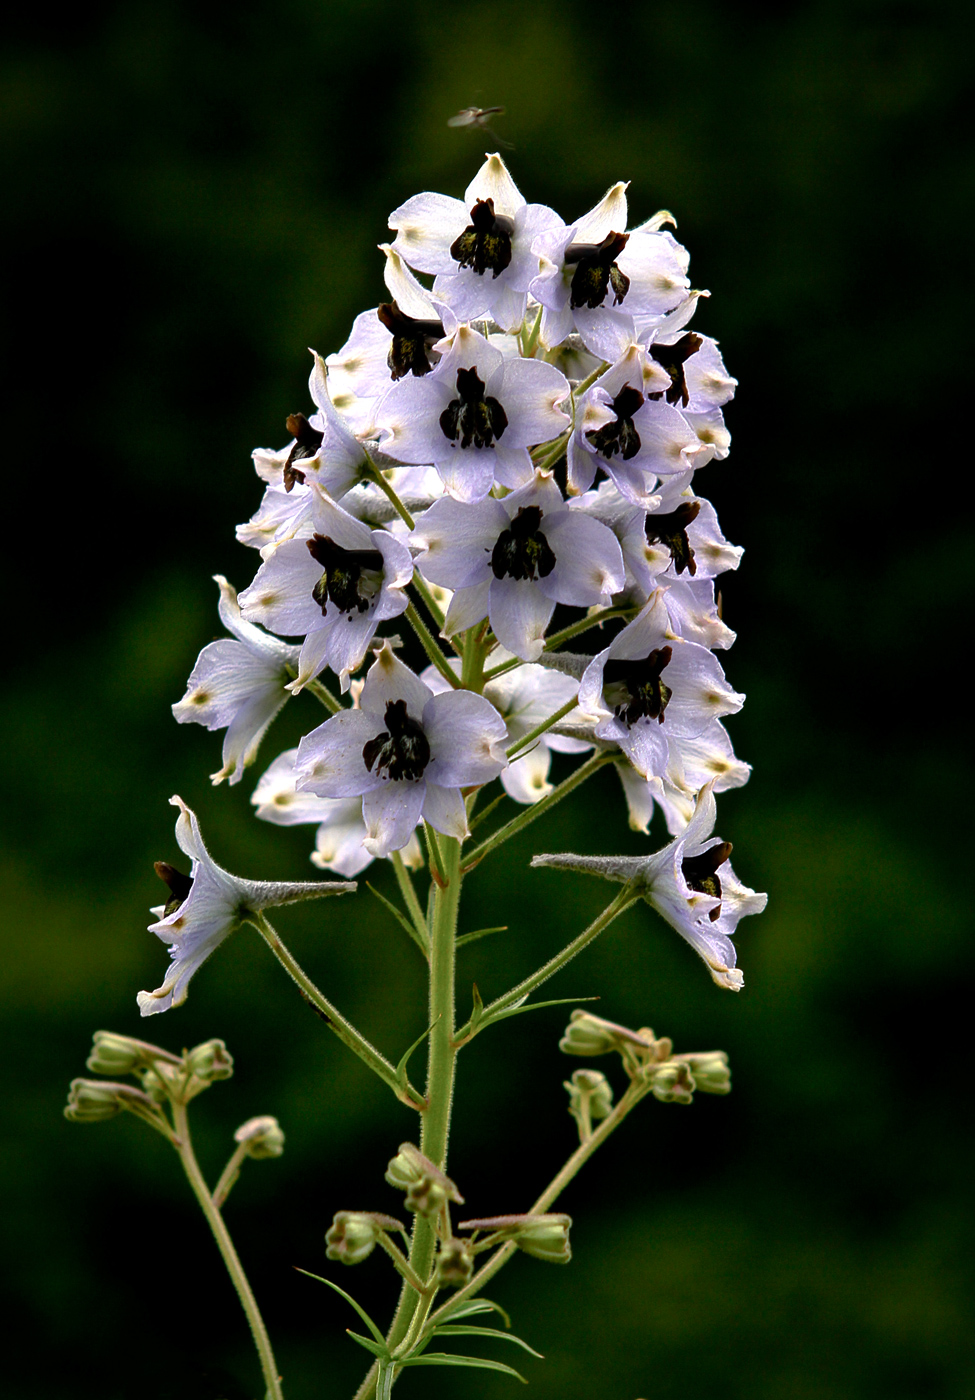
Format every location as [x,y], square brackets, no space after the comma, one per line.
[706,758]
[480,247]
[690,883]
[475,416]
[333,588]
[406,752]
[237,685]
[341,830]
[513,560]
[207,906]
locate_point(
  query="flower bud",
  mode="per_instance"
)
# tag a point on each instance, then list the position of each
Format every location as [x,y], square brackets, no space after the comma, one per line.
[353,1234]
[210,1061]
[121,1054]
[590,1035]
[261,1136]
[542,1236]
[455,1263]
[154,1084]
[710,1071]
[590,1088]
[672,1083]
[427,1189]
[92,1100]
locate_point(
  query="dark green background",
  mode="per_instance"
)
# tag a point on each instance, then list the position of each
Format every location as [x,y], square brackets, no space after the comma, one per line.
[192,195]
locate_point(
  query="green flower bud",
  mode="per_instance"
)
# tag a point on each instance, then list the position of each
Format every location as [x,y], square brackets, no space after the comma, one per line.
[427,1189]
[121,1054]
[710,1071]
[353,1234]
[154,1084]
[672,1083]
[542,1236]
[92,1100]
[592,1088]
[590,1035]
[455,1263]
[210,1061]
[261,1136]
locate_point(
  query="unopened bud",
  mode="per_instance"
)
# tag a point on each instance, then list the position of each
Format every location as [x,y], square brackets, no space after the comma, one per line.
[121,1054]
[92,1100]
[590,1035]
[542,1236]
[427,1188]
[210,1061]
[710,1071]
[455,1263]
[353,1234]
[153,1084]
[262,1137]
[672,1083]
[597,1090]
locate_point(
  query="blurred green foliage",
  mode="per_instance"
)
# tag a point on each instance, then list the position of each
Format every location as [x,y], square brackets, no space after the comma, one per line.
[192,196]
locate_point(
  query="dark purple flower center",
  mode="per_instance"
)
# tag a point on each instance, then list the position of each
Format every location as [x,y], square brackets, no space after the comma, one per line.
[672,358]
[486,242]
[307,442]
[402,750]
[596,271]
[471,417]
[410,351]
[635,690]
[671,530]
[352,577]
[700,872]
[620,436]
[179,886]
[522,551]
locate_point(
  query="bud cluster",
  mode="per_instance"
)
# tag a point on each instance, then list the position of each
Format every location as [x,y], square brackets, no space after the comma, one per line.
[650,1063]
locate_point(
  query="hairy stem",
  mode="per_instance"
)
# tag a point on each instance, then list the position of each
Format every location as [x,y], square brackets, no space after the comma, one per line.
[229,1175]
[541,729]
[235,1269]
[429,645]
[376,476]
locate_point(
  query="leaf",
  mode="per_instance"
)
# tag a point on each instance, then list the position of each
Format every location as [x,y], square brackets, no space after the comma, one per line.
[470,1306]
[401,918]
[349,1299]
[535,1006]
[479,933]
[478,1011]
[401,1066]
[448,1330]
[480,1363]
[373,1347]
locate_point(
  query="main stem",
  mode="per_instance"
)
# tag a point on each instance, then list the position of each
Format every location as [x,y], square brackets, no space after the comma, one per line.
[225,1244]
[439,1092]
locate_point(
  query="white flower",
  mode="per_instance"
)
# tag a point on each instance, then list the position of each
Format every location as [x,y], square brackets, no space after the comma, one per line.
[479,247]
[690,883]
[237,685]
[206,906]
[341,830]
[706,758]
[406,752]
[333,589]
[513,560]
[475,416]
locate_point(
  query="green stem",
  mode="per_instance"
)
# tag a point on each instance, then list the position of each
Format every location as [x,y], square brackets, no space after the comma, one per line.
[549,1196]
[376,476]
[410,900]
[430,646]
[440,1089]
[336,1022]
[325,696]
[430,602]
[229,1175]
[538,809]
[550,458]
[235,1269]
[589,380]
[540,729]
[584,624]
[494,1009]
[529,342]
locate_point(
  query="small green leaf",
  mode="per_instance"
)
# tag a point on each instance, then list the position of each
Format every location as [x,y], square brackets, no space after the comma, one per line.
[448,1330]
[349,1299]
[374,1347]
[469,1307]
[443,1358]
[478,1011]
[479,933]
[535,1006]
[401,918]
[401,1066]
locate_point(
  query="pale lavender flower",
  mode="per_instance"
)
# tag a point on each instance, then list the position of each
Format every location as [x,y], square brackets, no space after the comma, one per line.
[475,416]
[406,752]
[706,758]
[479,247]
[513,560]
[333,589]
[237,685]
[206,907]
[650,685]
[690,883]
